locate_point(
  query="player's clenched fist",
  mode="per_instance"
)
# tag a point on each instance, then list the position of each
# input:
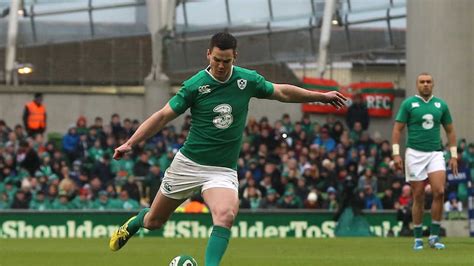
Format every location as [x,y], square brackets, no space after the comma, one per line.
[120,151]
[397,160]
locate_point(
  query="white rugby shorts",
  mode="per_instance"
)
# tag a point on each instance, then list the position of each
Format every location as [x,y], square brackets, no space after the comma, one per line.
[184,178]
[418,164]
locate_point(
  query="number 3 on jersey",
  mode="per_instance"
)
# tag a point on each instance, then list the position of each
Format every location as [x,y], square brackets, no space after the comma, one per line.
[428,123]
[225,118]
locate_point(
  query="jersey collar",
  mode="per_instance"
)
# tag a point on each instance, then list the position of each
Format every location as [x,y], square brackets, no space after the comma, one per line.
[222,82]
[423,99]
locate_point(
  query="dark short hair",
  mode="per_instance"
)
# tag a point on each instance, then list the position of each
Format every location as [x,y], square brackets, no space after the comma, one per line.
[424,74]
[223,41]
[38,95]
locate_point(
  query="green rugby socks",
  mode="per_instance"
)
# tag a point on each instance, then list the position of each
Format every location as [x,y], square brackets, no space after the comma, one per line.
[418,231]
[434,230]
[217,245]
[135,224]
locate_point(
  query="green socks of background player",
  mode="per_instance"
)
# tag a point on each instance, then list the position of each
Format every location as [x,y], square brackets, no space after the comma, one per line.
[434,230]
[135,224]
[217,245]
[418,231]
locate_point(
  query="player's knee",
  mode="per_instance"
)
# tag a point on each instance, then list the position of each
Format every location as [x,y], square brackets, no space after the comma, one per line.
[419,196]
[224,216]
[438,193]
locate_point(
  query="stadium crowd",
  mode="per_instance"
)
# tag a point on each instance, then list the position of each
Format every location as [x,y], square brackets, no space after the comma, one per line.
[286,164]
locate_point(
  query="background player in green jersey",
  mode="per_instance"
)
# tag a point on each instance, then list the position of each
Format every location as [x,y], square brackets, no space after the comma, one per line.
[218,97]
[424,114]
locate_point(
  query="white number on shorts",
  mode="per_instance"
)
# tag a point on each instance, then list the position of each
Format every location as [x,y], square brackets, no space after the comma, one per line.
[225,118]
[428,123]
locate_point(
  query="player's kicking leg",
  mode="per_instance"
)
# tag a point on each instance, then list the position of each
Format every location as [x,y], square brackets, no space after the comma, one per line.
[149,218]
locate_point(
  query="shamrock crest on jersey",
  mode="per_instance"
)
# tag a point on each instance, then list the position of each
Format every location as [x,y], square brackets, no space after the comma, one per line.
[242,83]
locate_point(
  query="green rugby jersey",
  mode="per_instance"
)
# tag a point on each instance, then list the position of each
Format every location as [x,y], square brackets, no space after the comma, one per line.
[219,114]
[424,119]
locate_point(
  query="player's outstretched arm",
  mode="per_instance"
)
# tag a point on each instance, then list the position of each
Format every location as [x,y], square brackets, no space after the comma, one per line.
[396,133]
[293,94]
[150,127]
[451,135]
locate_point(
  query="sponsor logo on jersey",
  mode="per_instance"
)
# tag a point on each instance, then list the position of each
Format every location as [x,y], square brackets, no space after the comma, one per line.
[242,83]
[204,89]
[414,105]
[225,118]
[438,105]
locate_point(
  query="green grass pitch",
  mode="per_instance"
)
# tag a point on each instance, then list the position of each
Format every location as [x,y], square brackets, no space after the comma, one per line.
[241,252]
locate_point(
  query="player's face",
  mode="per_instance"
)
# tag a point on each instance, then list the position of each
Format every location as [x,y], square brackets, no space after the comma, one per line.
[221,62]
[425,85]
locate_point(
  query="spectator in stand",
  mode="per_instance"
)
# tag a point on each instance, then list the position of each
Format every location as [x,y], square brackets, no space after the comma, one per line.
[336,131]
[452,204]
[153,181]
[34,116]
[20,132]
[372,202]
[325,140]
[290,201]
[96,152]
[70,143]
[61,202]
[81,125]
[311,201]
[332,202]
[127,127]
[118,131]
[251,198]
[28,158]
[82,147]
[301,189]
[82,201]
[270,201]
[4,201]
[102,169]
[468,158]
[306,123]
[132,188]
[40,203]
[126,202]
[286,123]
[405,198]
[20,201]
[142,166]
[388,200]
[4,131]
[103,202]
[98,131]
[355,133]
[368,179]
[67,185]
[358,112]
